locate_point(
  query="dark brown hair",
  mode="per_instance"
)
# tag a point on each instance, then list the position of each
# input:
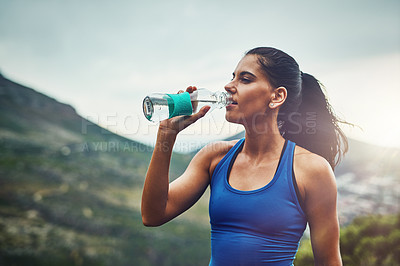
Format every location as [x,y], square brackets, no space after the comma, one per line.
[306,117]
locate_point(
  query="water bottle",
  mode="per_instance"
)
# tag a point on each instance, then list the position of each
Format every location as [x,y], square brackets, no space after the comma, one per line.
[160,106]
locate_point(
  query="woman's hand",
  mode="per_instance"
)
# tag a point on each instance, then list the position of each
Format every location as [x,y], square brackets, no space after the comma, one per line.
[176,124]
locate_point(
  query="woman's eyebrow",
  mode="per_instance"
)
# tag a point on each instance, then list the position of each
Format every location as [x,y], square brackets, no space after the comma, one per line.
[243,73]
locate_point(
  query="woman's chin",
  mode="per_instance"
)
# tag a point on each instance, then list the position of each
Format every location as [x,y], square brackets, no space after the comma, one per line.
[232,119]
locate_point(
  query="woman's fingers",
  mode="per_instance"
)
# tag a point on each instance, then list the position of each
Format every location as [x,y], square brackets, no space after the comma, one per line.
[202,112]
[181,122]
[191,89]
[177,124]
[194,117]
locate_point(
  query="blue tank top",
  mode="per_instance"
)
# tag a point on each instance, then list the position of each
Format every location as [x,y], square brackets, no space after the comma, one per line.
[261,226]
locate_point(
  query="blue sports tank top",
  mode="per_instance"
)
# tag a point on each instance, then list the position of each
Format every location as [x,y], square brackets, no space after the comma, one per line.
[261,226]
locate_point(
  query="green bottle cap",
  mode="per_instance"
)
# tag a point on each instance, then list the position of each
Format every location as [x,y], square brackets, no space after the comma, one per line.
[179,104]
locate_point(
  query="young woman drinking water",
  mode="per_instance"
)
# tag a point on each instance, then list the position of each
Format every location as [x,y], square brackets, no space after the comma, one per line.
[267,186]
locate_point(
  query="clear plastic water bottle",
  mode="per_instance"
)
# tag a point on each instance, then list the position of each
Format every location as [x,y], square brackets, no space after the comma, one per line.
[160,106]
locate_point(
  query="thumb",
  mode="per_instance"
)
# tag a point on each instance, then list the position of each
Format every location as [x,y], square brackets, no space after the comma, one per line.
[202,112]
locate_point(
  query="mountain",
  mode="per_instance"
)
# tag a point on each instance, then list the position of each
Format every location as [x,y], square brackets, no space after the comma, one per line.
[70,191]
[29,115]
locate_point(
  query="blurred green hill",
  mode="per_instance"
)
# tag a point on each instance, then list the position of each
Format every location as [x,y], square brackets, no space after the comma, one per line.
[70,191]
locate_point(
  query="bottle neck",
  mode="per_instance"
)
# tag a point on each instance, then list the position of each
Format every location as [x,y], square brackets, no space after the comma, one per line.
[224,98]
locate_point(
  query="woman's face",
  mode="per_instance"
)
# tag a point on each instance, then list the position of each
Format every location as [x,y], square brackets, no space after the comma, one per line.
[251,92]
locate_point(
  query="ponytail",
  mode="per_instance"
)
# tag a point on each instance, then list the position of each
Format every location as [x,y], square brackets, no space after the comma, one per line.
[315,126]
[306,117]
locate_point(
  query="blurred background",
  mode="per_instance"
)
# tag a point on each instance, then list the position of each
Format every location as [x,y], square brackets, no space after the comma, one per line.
[74,144]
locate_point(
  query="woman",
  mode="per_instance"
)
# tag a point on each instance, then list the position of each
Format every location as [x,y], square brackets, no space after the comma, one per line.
[264,188]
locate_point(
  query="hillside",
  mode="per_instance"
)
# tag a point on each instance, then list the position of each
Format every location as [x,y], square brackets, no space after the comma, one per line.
[70,191]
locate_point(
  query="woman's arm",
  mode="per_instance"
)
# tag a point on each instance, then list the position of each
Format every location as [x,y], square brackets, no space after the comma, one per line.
[162,201]
[320,199]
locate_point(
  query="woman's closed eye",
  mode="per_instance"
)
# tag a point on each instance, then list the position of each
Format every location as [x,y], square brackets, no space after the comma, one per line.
[246,77]
[245,80]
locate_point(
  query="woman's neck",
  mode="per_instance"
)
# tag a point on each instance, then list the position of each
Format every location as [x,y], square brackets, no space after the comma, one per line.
[263,140]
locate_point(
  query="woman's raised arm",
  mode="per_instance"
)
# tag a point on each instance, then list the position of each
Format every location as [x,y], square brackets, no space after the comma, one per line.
[162,201]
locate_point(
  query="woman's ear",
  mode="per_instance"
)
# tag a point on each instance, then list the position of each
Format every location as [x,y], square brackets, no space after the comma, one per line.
[278,97]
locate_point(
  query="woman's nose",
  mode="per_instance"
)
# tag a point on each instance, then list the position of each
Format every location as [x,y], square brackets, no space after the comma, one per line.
[230,87]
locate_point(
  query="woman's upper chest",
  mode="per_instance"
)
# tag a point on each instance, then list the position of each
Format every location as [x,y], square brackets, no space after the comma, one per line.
[246,174]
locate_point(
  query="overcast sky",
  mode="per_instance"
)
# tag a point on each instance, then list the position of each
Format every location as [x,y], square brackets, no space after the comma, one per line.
[103,57]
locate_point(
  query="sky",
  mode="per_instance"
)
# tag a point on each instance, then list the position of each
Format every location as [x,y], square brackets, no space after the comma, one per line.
[103,57]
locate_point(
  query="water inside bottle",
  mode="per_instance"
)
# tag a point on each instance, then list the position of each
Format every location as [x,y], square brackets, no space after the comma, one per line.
[202,97]
[198,104]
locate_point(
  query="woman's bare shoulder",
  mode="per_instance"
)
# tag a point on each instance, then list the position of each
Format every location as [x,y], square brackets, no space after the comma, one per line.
[317,184]
[215,151]
[311,162]
[311,169]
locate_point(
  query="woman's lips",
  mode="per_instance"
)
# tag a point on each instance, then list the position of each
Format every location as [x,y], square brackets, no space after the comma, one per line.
[230,106]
